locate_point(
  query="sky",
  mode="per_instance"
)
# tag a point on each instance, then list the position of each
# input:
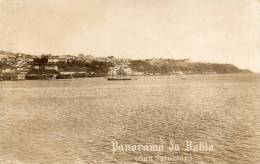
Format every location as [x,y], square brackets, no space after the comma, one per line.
[222,31]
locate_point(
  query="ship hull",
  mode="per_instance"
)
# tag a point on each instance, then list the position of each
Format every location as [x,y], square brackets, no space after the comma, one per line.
[117,79]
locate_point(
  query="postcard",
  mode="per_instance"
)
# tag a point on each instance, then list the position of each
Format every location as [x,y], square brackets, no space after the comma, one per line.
[129,82]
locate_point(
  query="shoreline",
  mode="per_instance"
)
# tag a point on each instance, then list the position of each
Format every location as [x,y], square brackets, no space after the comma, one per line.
[224,74]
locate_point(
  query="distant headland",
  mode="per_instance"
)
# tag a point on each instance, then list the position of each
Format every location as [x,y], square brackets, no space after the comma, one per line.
[83,65]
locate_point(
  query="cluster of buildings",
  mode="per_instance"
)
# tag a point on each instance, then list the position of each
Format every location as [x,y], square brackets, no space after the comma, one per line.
[84,58]
[20,66]
[14,66]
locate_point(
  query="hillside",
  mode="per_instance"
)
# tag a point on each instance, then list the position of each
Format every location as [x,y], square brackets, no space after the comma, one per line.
[101,65]
[167,66]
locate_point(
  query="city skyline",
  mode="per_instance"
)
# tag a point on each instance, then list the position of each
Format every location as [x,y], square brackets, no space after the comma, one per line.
[212,31]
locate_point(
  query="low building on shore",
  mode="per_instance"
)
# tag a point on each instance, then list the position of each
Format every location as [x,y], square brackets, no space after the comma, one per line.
[12,74]
[75,74]
[37,74]
[21,75]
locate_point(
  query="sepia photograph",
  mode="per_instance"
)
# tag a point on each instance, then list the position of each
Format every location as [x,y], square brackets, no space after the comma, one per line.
[129,81]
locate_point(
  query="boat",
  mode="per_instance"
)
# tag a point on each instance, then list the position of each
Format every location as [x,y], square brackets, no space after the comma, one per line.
[118,73]
[179,73]
[62,76]
[183,77]
[91,74]
[94,74]
[119,78]
[47,77]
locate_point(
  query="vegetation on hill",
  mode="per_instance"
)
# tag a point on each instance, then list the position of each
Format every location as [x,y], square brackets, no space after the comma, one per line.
[171,66]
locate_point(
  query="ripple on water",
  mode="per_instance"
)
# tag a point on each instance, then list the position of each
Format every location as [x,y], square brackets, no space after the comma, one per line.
[74,121]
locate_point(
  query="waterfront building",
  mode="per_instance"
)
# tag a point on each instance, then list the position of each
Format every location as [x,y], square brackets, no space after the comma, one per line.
[9,74]
[37,74]
[51,67]
[12,74]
